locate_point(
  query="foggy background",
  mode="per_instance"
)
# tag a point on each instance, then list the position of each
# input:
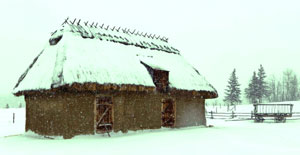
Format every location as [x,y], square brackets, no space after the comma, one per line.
[215,36]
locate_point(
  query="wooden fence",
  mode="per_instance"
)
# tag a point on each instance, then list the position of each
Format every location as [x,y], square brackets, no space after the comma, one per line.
[236,115]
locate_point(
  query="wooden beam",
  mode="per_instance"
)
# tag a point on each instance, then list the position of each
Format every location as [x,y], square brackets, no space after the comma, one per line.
[102,116]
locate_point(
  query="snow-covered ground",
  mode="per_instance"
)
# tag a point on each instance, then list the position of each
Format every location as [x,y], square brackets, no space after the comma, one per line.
[7,127]
[225,138]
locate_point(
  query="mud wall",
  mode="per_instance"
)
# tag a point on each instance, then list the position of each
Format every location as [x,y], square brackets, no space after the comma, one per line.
[69,114]
[45,114]
[60,114]
[189,112]
[136,111]
[80,114]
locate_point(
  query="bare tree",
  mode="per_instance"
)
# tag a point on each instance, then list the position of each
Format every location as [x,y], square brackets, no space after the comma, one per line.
[294,88]
[273,97]
[287,78]
[285,89]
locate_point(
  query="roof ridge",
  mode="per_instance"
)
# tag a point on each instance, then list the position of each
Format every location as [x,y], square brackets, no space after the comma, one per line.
[116,28]
[115,34]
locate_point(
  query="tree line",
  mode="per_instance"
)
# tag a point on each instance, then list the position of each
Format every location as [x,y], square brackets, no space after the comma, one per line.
[260,89]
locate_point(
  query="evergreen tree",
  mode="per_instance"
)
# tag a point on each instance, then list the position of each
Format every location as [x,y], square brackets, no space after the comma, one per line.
[252,90]
[262,84]
[233,92]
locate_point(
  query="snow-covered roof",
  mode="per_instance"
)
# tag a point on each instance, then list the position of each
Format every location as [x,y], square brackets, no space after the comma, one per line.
[86,54]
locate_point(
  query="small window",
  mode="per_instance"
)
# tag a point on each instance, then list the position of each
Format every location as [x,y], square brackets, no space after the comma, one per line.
[54,41]
[160,78]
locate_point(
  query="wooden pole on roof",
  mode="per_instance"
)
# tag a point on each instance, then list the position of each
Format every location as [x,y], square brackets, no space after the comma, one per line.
[78,23]
[118,29]
[113,28]
[86,23]
[96,25]
[124,30]
[153,36]
[102,26]
[128,30]
[92,24]
[73,21]
[133,31]
[66,21]
[107,27]
[158,37]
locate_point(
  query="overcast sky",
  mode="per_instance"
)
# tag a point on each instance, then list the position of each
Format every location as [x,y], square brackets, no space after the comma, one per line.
[213,35]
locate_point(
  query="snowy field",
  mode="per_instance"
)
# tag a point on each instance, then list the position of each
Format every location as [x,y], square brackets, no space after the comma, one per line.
[7,127]
[224,138]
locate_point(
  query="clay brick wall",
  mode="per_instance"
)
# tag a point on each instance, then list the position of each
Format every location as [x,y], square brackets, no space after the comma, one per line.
[66,114]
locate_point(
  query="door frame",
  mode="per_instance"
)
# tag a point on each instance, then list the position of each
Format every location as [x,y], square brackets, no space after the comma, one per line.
[174,110]
[95,111]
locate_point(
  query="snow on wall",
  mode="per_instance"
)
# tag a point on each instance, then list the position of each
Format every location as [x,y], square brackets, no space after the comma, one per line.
[88,59]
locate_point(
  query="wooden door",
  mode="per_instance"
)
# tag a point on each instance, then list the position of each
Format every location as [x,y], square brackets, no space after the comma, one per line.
[104,116]
[168,113]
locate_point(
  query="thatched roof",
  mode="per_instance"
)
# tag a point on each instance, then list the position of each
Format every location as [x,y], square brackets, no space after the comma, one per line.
[83,53]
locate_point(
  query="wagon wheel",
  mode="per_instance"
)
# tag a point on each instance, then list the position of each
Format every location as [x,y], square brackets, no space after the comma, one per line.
[284,120]
[276,119]
[279,119]
[258,119]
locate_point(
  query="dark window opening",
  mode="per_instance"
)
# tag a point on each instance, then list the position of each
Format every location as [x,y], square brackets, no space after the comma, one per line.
[160,78]
[104,120]
[168,113]
[54,41]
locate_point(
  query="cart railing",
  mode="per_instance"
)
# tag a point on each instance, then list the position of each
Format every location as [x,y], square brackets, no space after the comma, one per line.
[273,109]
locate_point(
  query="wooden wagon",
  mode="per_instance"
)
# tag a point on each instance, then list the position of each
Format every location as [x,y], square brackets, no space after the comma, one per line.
[278,111]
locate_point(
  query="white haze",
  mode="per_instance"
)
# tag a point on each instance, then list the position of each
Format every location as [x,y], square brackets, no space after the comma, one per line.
[215,36]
